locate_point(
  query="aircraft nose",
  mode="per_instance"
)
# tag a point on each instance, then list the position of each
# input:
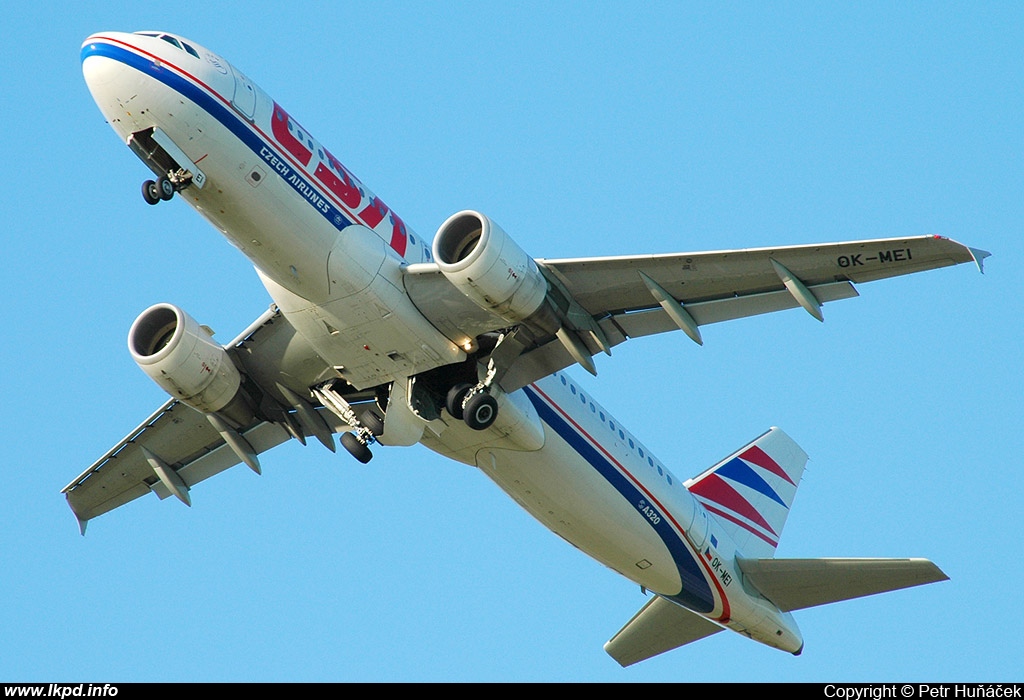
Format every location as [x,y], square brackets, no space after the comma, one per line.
[114,83]
[105,57]
[98,70]
[98,66]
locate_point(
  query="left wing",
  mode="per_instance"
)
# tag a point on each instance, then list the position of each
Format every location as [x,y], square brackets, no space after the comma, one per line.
[174,435]
[177,446]
[607,300]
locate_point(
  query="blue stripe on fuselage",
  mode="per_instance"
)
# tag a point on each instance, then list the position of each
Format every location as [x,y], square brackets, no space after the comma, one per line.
[222,114]
[696,594]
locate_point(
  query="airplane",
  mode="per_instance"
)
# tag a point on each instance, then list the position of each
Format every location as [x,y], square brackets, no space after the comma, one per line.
[462,345]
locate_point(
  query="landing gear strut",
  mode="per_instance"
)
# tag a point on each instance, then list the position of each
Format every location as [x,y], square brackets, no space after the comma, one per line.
[363,433]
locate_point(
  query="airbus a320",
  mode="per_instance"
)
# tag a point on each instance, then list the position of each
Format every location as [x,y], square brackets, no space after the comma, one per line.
[461,345]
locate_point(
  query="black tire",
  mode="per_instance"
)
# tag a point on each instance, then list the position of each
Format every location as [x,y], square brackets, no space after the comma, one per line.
[481,411]
[150,192]
[456,396]
[373,422]
[355,448]
[165,188]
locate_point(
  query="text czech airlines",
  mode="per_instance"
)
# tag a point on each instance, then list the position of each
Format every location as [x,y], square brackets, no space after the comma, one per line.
[335,177]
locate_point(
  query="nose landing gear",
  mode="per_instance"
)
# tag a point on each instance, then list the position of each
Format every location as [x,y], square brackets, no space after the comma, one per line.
[163,188]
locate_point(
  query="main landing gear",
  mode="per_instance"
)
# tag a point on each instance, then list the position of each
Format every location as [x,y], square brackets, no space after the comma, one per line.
[473,405]
[365,429]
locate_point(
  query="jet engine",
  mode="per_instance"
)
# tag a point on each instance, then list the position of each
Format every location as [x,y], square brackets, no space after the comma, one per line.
[182,357]
[485,264]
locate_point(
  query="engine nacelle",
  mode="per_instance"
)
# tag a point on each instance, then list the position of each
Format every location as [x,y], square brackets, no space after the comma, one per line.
[181,356]
[485,264]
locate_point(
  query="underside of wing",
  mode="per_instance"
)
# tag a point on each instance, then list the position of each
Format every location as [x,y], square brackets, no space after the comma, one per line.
[601,302]
[177,446]
[795,584]
[177,440]
[613,285]
[660,626]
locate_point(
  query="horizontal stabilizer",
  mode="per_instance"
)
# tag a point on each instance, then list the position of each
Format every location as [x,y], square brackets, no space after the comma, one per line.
[660,626]
[794,584]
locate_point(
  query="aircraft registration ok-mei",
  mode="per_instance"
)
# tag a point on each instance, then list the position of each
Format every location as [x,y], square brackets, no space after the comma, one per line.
[461,346]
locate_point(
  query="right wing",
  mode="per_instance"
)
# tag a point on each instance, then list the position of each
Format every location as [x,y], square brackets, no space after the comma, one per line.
[608,300]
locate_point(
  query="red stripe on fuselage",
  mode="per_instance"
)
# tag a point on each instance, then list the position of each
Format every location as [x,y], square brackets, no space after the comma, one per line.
[398,239]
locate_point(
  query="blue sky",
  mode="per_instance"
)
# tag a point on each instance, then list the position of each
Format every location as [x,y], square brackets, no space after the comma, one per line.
[584,129]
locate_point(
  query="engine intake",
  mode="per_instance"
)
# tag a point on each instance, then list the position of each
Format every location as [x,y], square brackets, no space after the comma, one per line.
[485,264]
[181,357]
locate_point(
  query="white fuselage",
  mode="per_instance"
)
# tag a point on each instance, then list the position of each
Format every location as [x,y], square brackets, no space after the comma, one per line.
[331,255]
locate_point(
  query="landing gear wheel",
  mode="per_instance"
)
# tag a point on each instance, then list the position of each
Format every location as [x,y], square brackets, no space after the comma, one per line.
[355,448]
[456,396]
[373,422]
[150,192]
[480,411]
[165,187]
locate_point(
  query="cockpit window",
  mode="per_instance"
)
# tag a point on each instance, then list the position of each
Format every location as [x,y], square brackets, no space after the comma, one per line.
[171,40]
[176,43]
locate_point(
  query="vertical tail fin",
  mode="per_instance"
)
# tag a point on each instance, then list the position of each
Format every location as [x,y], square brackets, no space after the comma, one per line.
[750,491]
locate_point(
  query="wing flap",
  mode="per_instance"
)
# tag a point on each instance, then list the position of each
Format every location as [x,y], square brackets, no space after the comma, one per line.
[795,584]
[641,323]
[659,626]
